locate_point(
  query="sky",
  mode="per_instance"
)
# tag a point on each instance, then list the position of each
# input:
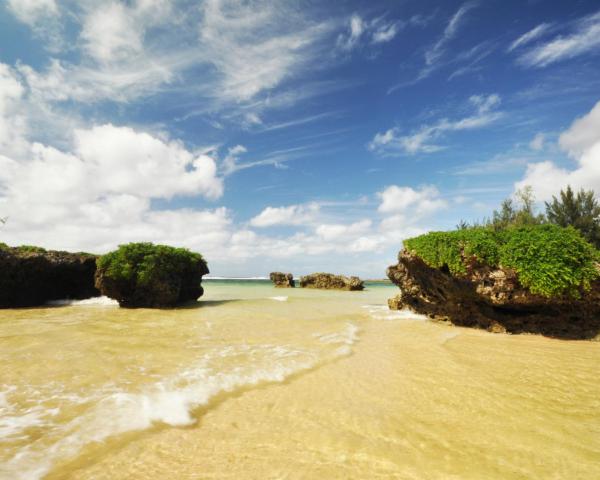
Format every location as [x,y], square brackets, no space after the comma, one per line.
[298,136]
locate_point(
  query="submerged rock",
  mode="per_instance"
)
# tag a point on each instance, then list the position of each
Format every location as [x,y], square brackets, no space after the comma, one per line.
[32,276]
[152,276]
[283,280]
[492,299]
[331,281]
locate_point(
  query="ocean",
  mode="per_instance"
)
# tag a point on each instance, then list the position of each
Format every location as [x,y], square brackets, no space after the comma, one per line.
[255,382]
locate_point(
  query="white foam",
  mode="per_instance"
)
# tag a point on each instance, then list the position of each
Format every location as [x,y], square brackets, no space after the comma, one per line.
[383,312]
[172,400]
[236,278]
[348,336]
[279,299]
[14,423]
[101,301]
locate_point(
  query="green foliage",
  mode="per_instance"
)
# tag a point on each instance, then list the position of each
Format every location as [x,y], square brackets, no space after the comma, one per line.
[142,263]
[516,213]
[454,249]
[4,246]
[580,210]
[30,249]
[549,260]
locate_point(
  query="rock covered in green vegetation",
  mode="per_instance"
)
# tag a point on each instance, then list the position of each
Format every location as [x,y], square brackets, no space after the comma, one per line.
[152,276]
[31,276]
[282,280]
[540,279]
[331,282]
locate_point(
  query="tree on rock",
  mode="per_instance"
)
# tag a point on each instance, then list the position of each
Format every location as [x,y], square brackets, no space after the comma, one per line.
[580,210]
[153,276]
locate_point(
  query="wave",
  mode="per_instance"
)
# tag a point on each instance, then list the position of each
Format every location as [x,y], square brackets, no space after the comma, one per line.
[382,312]
[173,400]
[101,301]
[279,299]
[236,278]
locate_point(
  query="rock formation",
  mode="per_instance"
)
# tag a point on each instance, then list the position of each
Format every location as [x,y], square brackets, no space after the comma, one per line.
[32,276]
[282,280]
[331,281]
[151,276]
[492,299]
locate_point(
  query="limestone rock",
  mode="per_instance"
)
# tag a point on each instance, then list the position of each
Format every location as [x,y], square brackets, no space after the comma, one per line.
[283,280]
[492,299]
[143,275]
[31,277]
[331,282]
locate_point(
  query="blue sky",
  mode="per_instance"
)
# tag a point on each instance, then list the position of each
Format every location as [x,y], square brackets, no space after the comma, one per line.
[298,136]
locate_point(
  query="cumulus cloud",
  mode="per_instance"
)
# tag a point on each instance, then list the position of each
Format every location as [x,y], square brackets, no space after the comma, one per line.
[392,141]
[337,231]
[415,202]
[290,215]
[582,142]
[583,38]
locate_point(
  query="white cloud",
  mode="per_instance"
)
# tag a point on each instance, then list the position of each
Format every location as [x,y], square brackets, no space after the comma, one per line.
[582,142]
[12,120]
[43,18]
[385,33]
[537,143]
[291,215]
[411,202]
[108,166]
[361,32]
[233,39]
[529,36]
[337,231]
[143,47]
[356,29]
[438,49]
[32,11]
[584,38]
[112,32]
[583,134]
[421,141]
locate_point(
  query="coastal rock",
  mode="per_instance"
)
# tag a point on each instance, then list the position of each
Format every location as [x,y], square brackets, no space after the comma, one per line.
[32,276]
[492,299]
[143,275]
[282,280]
[331,282]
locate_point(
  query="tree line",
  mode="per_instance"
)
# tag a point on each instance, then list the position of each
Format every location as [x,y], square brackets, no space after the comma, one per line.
[579,210]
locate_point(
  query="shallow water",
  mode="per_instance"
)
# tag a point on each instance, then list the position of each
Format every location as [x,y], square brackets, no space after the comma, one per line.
[258,382]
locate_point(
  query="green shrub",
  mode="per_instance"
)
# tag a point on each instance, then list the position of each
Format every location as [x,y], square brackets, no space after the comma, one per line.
[549,260]
[147,275]
[30,249]
[141,262]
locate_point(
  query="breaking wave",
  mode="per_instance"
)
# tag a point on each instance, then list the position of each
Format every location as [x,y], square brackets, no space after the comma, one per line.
[171,401]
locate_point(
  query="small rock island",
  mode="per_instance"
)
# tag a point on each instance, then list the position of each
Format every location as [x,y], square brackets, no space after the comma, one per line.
[329,281]
[282,280]
[32,276]
[537,279]
[151,276]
